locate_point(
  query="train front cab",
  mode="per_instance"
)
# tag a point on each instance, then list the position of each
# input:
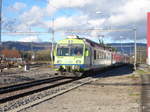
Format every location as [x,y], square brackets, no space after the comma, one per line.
[70,56]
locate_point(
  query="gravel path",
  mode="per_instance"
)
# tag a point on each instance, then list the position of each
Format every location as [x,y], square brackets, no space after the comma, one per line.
[119,93]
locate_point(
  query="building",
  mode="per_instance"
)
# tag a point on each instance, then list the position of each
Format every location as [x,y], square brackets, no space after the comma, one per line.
[12,55]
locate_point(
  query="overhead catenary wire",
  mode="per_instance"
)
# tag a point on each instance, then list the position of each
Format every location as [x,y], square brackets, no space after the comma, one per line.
[73,30]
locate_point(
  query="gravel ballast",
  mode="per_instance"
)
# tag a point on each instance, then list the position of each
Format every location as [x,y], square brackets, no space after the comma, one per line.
[120,93]
[9,78]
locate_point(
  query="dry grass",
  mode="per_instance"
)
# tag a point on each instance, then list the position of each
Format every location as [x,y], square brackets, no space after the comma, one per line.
[142,72]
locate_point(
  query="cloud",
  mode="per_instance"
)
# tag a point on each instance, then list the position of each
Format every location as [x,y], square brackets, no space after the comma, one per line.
[30,39]
[33,16]
[9,24]
[123,13]
[96,22]
[18,6]
[132,11]
[69,3]
[70,22]
[63,23]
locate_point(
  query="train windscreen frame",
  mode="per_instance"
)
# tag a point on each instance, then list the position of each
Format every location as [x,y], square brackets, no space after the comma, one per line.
[70,49]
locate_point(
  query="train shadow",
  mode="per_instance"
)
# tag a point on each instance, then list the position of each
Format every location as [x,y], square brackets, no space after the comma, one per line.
[115,84]
[114,71]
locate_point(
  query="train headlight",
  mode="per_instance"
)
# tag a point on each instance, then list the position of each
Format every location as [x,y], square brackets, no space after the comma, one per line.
[59,62]
[78,62]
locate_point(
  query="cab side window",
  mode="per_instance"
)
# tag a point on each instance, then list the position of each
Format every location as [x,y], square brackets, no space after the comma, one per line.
[95,54]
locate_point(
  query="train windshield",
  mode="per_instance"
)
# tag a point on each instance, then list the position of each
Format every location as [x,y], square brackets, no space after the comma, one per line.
[70,50]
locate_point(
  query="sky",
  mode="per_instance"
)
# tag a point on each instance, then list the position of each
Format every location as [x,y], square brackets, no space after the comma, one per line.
[74,17]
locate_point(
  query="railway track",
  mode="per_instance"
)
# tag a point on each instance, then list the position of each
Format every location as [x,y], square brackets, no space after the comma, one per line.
[19,97]
[22,97]
[8,78]
[16,91]
[145,96]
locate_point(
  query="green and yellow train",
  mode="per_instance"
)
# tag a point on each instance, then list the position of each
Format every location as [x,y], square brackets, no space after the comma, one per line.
[79,55]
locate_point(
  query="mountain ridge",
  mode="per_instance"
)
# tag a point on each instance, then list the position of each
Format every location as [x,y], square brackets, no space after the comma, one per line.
[35,46]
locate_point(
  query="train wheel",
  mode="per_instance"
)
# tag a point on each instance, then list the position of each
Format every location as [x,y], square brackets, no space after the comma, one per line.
[61,73]
[88,73]
[78,74]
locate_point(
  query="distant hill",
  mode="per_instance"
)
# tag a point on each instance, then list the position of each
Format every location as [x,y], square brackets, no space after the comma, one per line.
[27,46]
[127,48]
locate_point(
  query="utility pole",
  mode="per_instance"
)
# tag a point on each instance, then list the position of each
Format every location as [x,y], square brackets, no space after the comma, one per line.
[31,45]
[52,49]
[0,25]
[130,54]
[0,21]
[100,39]
[135,48]
[122,52]
[32,52]
[140,52]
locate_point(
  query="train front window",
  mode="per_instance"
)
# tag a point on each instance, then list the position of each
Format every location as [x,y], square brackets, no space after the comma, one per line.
[70,50]
[76,50]
[62,51]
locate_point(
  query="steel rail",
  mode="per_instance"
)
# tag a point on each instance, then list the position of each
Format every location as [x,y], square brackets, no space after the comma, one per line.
[29,91]
[28,84]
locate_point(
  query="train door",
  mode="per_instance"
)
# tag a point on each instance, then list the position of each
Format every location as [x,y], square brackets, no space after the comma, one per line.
[88,59]
[90,56]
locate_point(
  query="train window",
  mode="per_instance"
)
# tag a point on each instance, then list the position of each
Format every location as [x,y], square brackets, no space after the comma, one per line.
[62,51]
[107,55]
[76,50]
[104,55]
[101,54]
[70,50]
[95,54]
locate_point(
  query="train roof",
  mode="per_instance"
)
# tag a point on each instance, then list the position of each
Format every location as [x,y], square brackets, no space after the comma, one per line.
[94,44]
[90,42]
